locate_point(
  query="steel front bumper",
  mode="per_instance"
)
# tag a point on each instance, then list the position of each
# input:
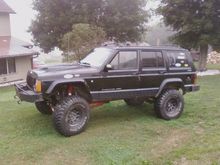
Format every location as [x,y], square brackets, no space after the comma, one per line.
[192,88]
[24,93]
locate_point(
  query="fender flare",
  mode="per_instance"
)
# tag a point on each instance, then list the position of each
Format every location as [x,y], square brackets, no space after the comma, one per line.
[59,82]
[168,81]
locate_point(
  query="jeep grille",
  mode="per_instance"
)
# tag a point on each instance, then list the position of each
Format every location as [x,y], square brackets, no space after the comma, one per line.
[31,81]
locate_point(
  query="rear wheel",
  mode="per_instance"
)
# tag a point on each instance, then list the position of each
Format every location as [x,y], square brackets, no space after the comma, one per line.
[169,105]
[134,101]
[71,116]
[44,108]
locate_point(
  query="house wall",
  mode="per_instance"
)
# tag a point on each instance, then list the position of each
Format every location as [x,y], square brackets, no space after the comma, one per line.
[5,29]
[23,64]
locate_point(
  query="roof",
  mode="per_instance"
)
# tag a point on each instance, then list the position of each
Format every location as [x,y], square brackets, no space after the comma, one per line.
[146,48]
[4,8]
[12,47]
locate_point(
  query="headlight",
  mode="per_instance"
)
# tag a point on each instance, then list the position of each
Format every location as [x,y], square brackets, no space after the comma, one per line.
[38,86]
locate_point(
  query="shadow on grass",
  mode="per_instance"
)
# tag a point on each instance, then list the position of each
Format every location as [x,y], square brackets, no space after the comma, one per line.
[116,113]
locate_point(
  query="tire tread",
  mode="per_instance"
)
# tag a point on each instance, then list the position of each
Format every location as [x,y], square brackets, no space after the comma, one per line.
[59,113]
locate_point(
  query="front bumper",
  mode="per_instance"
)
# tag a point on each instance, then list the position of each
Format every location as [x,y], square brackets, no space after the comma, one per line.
[192,88]
[24,93]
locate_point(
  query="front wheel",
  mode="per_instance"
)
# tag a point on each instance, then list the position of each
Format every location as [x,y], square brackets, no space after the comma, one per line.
[71,116]
[169,105]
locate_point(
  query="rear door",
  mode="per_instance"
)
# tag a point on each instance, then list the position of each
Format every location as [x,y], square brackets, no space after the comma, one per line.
[153,69]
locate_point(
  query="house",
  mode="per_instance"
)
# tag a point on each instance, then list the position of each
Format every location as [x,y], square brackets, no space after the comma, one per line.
[16,56]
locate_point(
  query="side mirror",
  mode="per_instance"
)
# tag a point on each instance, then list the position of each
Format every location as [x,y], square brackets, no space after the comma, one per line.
[108,67]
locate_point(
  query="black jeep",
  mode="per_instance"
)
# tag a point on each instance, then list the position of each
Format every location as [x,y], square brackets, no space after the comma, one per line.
[160,75]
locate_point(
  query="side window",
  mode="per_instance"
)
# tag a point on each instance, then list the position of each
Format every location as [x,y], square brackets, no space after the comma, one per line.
[125,60]
[177,59]
[152,59]
[160,60]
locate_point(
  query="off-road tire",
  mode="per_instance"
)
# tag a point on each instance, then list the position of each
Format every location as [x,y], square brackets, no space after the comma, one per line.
[169,105]
[134,101]
[71,116]
[44,108]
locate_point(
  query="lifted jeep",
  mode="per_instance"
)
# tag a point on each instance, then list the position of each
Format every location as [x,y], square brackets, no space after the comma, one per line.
[161,75]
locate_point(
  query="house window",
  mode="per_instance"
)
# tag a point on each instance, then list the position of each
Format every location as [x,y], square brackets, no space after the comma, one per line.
[3,66]
[11,65]
[7,66]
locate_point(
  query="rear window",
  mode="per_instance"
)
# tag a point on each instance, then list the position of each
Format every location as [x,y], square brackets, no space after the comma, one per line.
[178,59]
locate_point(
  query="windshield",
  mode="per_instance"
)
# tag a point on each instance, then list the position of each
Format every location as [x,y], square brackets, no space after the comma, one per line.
[97,57]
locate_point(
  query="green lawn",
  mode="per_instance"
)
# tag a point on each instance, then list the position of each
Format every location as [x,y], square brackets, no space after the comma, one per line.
[117,134]
[213,66]
[210,66]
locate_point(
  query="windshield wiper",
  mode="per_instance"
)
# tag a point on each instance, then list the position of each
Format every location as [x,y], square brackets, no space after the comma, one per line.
[85,63]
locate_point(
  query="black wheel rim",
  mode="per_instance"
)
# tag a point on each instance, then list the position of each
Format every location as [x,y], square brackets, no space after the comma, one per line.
[76,116]
[173,107]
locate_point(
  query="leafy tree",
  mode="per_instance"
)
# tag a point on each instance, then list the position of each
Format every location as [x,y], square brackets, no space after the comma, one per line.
[81,40]
[159,34]
[122,20]
[197,24]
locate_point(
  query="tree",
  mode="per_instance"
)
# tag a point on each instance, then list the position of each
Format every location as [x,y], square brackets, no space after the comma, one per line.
[197,24]
[122,21]
[83,37]
[159,34]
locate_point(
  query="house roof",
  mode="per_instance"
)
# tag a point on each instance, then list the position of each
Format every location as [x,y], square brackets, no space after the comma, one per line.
[4,8]
[12,47]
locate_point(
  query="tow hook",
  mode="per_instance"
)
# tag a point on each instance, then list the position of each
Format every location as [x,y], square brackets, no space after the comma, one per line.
[17,98]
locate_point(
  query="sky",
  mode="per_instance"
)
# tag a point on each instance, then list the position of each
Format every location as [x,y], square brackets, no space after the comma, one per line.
[21,21]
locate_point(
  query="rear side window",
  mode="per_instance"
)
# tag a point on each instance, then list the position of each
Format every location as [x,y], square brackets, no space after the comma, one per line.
[178,59]
[152,59]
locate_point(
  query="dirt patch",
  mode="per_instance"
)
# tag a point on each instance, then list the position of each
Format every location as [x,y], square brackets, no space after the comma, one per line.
[63,157]
[173,139]
[206,160]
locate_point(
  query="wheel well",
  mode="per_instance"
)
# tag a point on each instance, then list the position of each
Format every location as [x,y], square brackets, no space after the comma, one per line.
[83,91]
[77,88]
[172,85]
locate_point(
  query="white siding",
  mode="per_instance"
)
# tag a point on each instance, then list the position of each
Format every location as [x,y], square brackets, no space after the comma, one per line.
[23,64]
[5,29]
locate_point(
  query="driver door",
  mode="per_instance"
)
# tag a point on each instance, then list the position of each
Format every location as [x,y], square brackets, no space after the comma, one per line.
[123,77]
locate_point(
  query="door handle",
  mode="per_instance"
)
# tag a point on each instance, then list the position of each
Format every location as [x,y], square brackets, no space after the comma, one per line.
[162,71]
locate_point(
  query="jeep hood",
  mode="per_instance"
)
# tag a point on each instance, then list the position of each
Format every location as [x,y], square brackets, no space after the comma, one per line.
[59,71]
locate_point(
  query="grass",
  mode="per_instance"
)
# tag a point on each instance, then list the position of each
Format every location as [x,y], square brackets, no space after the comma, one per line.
[210,66]
[117,134]
[213,66]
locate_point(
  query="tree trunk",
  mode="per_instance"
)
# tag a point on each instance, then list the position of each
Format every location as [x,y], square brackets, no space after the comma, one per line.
[203,57]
